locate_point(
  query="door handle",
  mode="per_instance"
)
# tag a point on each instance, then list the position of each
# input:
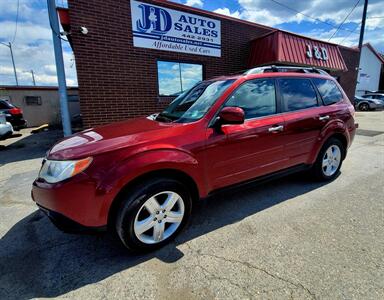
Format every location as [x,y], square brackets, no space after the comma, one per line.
[323,118]
[276,128]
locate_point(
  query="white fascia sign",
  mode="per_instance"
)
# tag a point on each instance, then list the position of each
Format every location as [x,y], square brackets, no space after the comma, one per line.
[160,28]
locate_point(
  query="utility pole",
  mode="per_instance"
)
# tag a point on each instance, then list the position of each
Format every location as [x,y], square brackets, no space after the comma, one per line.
[361,39]
[9,45]
[53,19]
[362,29]
[33,78]
[13,63]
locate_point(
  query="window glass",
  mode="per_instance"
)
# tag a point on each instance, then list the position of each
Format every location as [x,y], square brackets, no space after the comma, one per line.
[73,98]
[194,103]
[32,100]
[379,97]
[297,94]
[175,78]
[5,105]
[256,97]
[328,91]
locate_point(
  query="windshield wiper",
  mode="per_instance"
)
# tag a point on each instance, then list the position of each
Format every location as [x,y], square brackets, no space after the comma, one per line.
[162,116]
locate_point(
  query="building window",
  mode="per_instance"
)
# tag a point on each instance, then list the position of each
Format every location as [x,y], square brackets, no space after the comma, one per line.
[73,98]
[176,77]
[32,100]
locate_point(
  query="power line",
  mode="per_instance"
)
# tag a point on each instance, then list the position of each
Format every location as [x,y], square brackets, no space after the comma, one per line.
[354,31]
[346,17]
[299,12]
[17,21]
[357,27]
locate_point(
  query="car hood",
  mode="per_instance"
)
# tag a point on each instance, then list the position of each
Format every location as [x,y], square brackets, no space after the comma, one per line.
[109,137]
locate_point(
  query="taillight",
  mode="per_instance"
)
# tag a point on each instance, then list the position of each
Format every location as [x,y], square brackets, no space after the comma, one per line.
[15,111]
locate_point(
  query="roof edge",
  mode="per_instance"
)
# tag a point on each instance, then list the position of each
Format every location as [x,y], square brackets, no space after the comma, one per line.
[33,87]
[254,24]
[374,52]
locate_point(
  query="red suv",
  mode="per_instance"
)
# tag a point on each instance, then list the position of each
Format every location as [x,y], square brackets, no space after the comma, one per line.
[142,176]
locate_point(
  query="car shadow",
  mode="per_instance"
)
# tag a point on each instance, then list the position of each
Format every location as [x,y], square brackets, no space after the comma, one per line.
[37,260]
[30,146]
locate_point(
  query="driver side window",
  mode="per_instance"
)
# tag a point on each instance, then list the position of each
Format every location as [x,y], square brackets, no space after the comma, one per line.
[256,97]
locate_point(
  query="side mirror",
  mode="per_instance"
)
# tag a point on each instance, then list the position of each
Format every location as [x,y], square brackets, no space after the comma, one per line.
[231,115]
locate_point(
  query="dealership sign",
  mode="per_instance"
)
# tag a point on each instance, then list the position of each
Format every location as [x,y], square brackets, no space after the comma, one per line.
[319,53]
[161,28]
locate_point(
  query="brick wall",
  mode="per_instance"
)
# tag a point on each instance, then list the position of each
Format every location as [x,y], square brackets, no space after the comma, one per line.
[119,81]
[348,79]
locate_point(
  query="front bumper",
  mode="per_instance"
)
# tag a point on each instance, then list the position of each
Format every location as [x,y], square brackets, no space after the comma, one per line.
[76,200]
[68,225]
[6,131]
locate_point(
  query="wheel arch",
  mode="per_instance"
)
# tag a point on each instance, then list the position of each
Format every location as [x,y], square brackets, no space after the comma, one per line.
[164,173]
[342,138]
[336,132]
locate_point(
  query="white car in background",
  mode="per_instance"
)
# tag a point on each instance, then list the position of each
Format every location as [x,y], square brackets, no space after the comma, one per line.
[6,129]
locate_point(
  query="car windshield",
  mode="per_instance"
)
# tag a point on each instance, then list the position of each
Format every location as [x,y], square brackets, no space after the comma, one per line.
[194,103]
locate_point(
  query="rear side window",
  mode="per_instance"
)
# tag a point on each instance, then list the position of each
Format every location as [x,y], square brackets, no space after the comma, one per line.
[328,91]
[256,97]
[297,94]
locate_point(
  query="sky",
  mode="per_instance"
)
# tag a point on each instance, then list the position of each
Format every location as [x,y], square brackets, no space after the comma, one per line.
[32,38]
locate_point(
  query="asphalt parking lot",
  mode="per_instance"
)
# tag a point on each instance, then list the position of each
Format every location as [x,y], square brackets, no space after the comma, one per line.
[287,239]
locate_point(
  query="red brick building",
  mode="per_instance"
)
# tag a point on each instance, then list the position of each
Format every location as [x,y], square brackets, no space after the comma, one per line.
[137,55]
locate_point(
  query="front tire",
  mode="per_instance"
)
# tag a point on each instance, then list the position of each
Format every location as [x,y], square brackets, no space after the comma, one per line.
[329,160]
[153,213]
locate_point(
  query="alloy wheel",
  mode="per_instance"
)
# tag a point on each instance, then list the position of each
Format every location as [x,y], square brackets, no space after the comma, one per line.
[331,160]
[159,217]
[364,107]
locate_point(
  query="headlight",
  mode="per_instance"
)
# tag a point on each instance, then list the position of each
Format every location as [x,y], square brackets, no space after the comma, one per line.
[54,171]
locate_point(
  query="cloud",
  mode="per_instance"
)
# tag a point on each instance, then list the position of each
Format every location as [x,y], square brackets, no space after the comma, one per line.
[169,77]
[225,11]
[197,3]
[32,48]
[271,13]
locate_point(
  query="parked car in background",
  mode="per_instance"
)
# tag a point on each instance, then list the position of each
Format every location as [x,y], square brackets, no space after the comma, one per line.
[378,96]
[141,177]
[13,114]
[364,103]
[6,129]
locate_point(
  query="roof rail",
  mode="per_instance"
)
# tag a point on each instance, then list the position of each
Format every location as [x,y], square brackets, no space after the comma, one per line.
[273,68]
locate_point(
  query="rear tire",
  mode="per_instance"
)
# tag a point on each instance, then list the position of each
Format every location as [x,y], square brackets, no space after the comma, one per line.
[152,214]
[329,160]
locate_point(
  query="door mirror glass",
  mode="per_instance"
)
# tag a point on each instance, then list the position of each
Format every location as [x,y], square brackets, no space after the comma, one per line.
[231,115]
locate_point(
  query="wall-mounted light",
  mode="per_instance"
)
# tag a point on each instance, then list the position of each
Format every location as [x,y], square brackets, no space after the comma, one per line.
[83,30]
